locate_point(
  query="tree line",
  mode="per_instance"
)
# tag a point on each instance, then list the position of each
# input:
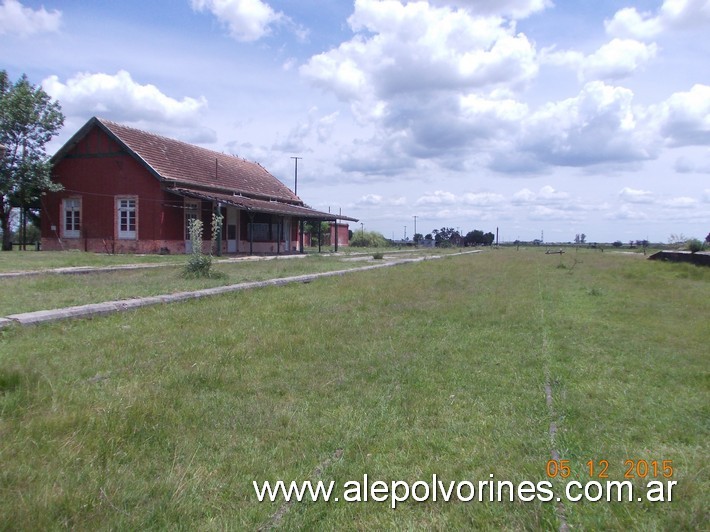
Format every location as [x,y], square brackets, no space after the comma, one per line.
[448,236]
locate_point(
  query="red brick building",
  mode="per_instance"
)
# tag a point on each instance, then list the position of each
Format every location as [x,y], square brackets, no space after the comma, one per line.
[129,191]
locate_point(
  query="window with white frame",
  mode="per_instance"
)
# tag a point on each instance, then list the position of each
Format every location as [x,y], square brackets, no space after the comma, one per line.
[72,218]
[126,209]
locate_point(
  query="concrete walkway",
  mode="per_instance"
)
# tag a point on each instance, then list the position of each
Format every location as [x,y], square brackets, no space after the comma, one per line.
[109,307]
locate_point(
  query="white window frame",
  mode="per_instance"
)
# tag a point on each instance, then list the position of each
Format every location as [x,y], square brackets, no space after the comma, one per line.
[125,206]
[71,226]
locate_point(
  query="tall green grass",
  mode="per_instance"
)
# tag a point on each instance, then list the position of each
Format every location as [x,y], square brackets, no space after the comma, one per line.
[163,417]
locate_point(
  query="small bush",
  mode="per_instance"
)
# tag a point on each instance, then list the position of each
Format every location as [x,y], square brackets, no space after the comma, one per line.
[378,256]
[368,239]
[199,264]
[694,245]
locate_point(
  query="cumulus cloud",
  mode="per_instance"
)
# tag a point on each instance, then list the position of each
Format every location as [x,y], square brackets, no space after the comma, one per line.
[18,19]
[376,200]
[681,202]
[616,59]
[445,82]
[545,196]
[247,20]
[438,197]
[684,118]
[631,195]
[673,15]
[120,98]
[524,196]
[415,48]
[517,9]
[597,126]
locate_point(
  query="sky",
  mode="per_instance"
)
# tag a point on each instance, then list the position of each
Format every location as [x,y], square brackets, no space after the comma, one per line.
[536,118]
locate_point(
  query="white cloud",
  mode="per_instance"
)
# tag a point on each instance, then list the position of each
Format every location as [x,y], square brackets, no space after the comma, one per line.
[545,196]
[544,213]
[482,199]
[631,195]
[515,8]
[674,15]
[549,194]
[18,19]
[120,98]
[414,49]
[376,200]
[682,202]
[247,20]
[706,195]
[626,212]
[325,126]
[617,59]
[599,125]
[684,118]
[524,197]
[439,197]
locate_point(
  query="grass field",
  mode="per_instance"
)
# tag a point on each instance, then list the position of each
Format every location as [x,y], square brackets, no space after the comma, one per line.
[163,417]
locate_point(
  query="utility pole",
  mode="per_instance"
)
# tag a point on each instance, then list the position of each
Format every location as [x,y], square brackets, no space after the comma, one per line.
[415,226]
[295,175]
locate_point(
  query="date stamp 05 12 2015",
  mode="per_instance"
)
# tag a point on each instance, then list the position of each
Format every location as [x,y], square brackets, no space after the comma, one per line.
[656,475]
[633,469]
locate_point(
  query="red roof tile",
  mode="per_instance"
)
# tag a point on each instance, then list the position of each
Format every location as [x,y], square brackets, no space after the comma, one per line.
[181,162]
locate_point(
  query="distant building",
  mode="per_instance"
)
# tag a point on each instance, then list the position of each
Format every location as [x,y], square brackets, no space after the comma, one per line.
[129,191]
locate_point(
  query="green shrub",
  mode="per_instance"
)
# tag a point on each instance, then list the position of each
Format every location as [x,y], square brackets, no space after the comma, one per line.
[368,239]
[378,256]
[694,245]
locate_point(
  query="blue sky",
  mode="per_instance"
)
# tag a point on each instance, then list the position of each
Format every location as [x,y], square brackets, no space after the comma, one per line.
[527,115]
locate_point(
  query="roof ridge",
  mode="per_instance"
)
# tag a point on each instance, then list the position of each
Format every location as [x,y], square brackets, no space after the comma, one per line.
[108,122]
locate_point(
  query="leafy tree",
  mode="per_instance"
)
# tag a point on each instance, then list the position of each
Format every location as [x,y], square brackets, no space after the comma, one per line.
[474,237]
[446,235]
[418,237]
[617,244]
[707,238]
[28,120]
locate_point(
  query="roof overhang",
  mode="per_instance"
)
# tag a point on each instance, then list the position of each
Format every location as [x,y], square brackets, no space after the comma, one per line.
[261,206]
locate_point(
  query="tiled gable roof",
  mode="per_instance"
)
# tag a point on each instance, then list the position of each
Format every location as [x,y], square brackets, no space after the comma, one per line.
[181,163]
